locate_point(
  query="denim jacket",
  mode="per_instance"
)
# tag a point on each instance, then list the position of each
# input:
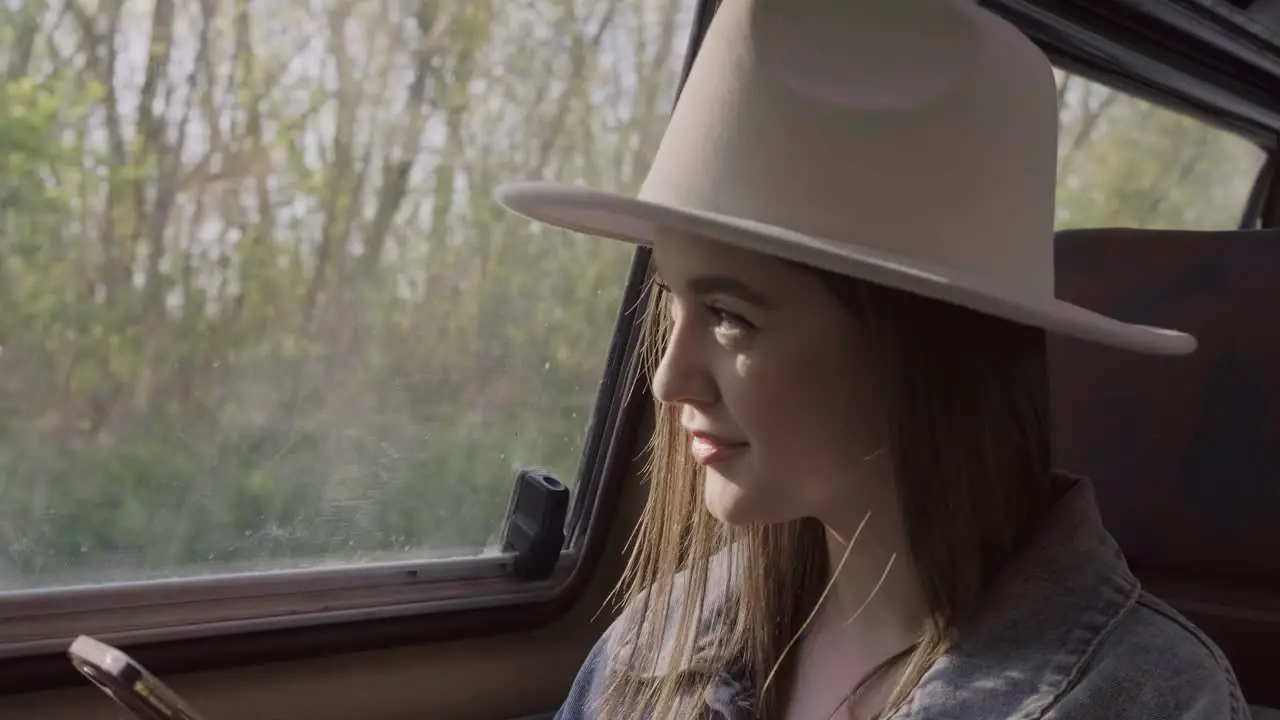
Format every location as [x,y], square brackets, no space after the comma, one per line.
[1066,633]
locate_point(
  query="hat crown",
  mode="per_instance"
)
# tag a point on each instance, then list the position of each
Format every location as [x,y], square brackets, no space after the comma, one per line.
[925,129]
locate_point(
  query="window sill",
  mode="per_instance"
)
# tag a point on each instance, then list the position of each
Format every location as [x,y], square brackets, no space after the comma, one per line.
[45,621]
[305,624]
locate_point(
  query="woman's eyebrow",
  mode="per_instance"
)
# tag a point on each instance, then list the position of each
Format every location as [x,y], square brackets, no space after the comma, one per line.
[725,285]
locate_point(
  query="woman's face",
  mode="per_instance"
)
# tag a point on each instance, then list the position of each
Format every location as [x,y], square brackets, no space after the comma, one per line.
[773,383]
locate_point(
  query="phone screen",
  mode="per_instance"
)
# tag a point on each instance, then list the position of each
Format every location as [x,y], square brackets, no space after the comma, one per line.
[128,682]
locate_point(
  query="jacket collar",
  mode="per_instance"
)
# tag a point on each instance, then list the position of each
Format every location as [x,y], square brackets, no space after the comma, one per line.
[1052,604]
[1049,608]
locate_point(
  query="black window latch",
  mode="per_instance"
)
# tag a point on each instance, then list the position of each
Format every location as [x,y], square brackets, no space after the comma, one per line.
[535,525]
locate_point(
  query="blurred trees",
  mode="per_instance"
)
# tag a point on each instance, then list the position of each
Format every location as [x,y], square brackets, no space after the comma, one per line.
[1123,161]
[258,309]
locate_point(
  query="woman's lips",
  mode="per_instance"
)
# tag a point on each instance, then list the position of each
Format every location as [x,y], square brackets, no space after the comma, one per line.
[709,450]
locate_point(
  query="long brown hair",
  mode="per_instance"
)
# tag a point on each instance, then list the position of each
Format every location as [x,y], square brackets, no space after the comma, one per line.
[969,445]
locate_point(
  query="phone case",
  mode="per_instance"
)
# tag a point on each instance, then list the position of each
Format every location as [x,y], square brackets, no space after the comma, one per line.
[127,682]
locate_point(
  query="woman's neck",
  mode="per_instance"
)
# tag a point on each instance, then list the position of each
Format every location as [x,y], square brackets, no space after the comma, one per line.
[875,597]
[872,612]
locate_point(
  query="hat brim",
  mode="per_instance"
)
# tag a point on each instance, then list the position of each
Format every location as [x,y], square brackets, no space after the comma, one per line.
[632,220]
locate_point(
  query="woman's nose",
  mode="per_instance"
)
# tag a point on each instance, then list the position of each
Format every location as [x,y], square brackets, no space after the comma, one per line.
[684,375]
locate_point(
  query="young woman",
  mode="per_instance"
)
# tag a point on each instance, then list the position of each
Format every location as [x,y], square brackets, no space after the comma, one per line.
[852,511]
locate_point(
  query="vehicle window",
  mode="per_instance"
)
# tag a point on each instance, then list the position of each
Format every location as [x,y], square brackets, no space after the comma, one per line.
[257,307]
[1123,161]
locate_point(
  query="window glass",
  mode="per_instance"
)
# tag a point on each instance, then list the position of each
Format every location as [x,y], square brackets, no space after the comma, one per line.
[1123,161]
[257,307]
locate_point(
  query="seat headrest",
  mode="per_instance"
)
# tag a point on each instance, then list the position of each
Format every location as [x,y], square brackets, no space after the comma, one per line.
[1184,452]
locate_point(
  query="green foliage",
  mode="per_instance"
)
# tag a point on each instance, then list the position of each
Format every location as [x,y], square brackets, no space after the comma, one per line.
[265,314]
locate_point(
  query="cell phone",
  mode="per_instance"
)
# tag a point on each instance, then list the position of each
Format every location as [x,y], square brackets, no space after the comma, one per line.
[119,676]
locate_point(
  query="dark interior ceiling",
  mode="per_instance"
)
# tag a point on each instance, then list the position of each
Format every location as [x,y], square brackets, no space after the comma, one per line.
[1248,28]
[1259,17]
[1216,58]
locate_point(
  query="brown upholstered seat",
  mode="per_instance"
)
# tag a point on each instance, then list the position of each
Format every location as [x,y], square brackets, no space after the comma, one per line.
[1184,452]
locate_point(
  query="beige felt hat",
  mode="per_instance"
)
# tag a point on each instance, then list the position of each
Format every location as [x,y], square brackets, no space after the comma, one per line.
[908,143]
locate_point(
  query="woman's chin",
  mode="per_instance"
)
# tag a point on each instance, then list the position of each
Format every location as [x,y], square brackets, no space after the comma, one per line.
[733,503]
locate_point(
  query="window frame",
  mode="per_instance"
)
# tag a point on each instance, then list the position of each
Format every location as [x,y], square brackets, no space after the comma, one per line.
[229,620]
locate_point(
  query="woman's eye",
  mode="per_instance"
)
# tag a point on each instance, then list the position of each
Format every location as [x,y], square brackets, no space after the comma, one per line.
[729,321]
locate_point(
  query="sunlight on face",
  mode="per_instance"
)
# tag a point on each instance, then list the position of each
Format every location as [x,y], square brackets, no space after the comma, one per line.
[772,380]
